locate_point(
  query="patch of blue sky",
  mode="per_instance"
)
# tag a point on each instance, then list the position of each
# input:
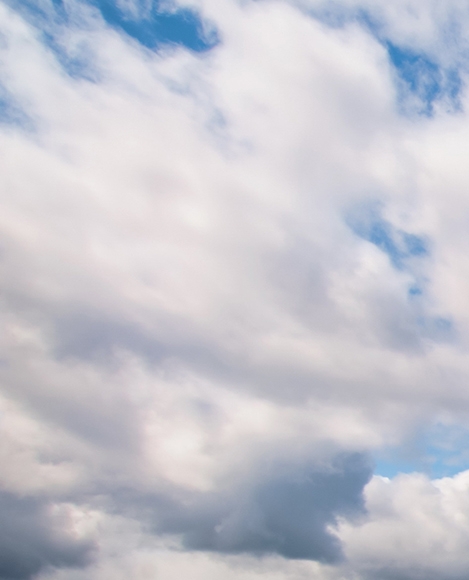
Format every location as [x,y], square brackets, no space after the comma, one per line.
[388,464]
[34,11]
[439,451]
[405,250]
[421,81]
[415,290]
[447,449]
[153,27]
[145,22]
[51,19]
[366,221]
[11,113]
[77,62]
[334,14]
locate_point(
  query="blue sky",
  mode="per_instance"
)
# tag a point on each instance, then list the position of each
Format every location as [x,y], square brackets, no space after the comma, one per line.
[438,451]
[150,24]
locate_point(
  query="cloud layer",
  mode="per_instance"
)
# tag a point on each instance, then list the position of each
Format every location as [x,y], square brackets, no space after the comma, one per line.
[233,278]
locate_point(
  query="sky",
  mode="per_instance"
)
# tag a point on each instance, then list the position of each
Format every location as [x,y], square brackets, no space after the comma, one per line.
[234,255]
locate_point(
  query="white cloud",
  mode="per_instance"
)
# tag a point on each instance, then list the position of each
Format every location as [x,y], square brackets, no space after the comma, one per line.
[415,527]
[191,323]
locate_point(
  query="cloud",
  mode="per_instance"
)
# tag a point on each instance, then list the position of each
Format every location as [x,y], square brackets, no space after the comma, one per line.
[287,512]
[231,273]
[416,528]
[33,537]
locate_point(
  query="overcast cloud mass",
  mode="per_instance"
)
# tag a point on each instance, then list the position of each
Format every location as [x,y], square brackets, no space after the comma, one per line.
[234,253]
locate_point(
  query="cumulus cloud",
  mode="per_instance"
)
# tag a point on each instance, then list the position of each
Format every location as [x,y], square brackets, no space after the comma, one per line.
[416,527]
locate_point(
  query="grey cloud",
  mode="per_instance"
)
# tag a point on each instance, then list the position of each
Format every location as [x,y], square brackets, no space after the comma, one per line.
[89,334]
[31,539]
[402,572]
[288,512]
[84,333]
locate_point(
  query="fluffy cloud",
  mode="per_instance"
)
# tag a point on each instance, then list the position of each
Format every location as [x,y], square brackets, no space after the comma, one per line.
[416,527]
[232,272]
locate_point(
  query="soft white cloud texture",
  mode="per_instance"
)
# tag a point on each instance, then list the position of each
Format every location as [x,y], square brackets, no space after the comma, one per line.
[229,279]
